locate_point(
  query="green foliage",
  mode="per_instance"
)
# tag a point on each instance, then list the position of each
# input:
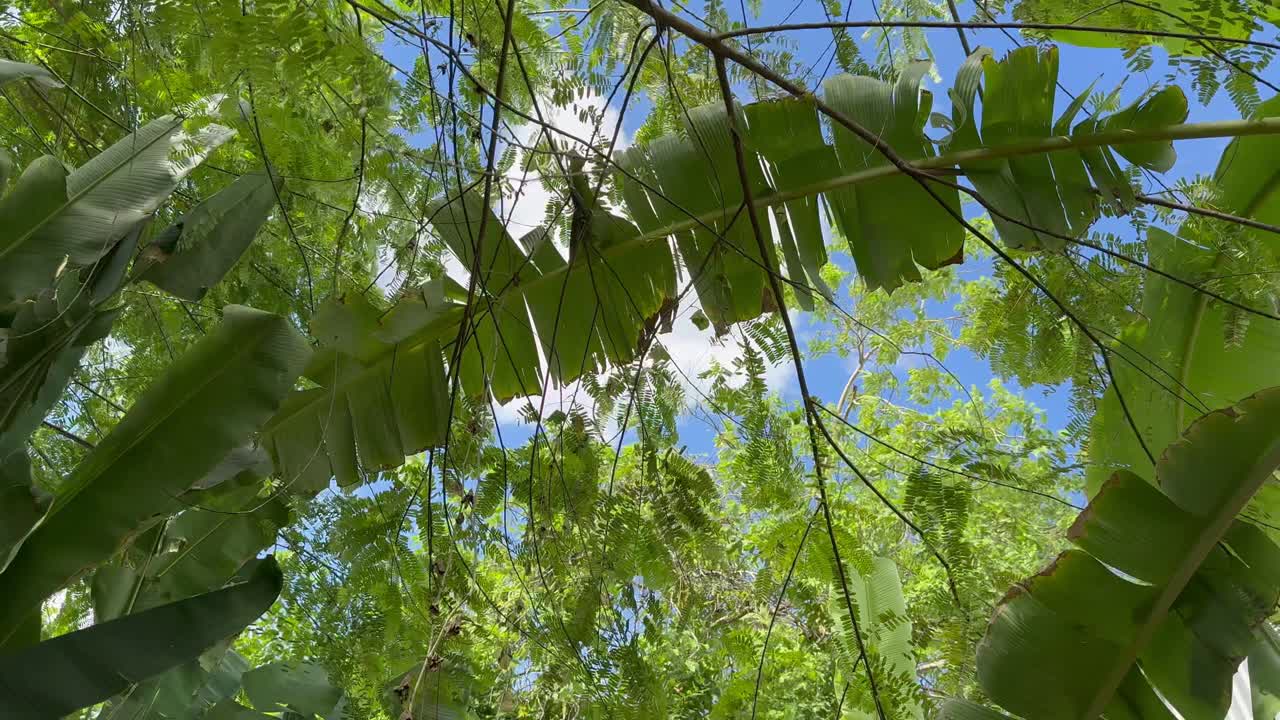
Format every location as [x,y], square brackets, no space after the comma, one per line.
[486,486]
[1204,63]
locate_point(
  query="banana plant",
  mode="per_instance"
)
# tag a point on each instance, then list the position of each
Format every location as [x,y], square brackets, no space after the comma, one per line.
[68,241]
[206,405]
[1168,590]
[54,219]
[182,429]
[1238,19]
[1056,175]
[882,638]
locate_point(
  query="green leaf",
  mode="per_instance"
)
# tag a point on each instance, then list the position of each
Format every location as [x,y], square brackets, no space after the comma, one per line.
[53,218]
[886,634]
[1052,192]
[1067,642]
[428,690]
[893,225]
[301,687]
[10,71]
[1248,184]
[184,692]
[955,709]
[232,710]
[6,170]
[376,406]
[1128,507]
[501,352]
[43,348]
[88,666]
[194,253]
[112,589]
[1233,18]
[21,504]
[210,546]
[1176,362]
[1164,107]
[788,136]
[207,403]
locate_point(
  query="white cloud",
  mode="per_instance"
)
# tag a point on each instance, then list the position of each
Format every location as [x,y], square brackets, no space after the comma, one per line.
[695,351]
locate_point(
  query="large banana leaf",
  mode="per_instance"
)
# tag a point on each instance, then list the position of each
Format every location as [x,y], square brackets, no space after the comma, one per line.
[45,339]
[588,315]
[44,343]
[204,244]
[1050,192]
[52,218]
[42,347]
[1163,598]
[1264,673]
[206,688]
[186,692]
[383,391]
[21,503]
[683,194]
[205,547]
[789,141]
[1248,179]
[894,225]
[210,546]
[87,666]
[379,401]
[203,407]
[1178,360]
[696,173]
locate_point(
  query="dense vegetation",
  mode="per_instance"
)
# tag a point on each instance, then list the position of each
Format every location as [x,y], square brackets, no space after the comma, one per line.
[353,359]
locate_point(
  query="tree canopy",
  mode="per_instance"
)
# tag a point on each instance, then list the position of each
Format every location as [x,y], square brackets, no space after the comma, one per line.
[421,359]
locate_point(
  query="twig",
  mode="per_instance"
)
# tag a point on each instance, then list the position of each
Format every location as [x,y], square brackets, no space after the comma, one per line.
[68,435]
[942,24]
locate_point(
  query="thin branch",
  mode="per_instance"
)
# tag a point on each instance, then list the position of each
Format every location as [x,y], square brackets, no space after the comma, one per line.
[942,24]
[952,471]
[68,434]
[1210,213]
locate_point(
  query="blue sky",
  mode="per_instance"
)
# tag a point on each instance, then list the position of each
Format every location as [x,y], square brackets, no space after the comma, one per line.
[1079,67]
